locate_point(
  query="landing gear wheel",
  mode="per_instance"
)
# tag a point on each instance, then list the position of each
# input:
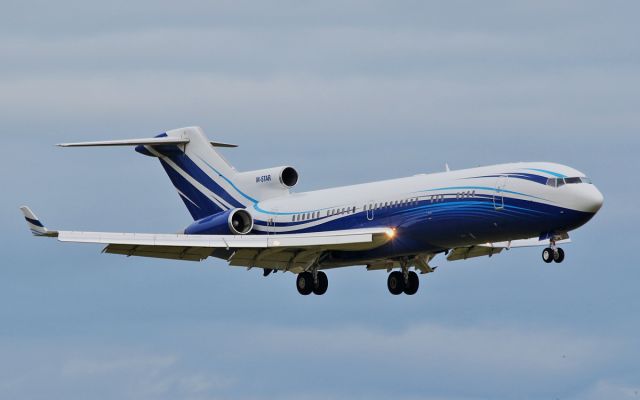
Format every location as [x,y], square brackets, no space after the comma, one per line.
[304,283]
[547,255]
[558,255]
[395,282]
[323,283]
[412,285]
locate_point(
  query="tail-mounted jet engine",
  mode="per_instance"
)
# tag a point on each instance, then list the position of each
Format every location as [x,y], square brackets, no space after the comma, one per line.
[236,221]
[277,180]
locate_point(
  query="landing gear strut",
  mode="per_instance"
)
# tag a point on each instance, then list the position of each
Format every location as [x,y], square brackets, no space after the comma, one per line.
[315,282]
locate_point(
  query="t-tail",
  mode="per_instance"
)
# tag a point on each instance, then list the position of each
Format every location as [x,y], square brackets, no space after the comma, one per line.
[205,181]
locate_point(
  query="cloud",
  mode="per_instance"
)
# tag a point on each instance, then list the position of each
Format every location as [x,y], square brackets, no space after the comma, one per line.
[347,92]
[271,361]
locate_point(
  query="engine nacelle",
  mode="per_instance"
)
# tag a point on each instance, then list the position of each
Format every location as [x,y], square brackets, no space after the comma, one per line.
[277,178]
[237,221]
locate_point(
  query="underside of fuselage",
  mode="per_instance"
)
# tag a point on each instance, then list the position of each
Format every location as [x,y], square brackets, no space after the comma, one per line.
[434,228]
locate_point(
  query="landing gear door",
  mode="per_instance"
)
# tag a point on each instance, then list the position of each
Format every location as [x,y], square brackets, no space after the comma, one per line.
[498,195]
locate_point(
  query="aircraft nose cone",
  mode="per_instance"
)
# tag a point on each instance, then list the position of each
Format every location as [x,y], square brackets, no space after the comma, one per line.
[593,200]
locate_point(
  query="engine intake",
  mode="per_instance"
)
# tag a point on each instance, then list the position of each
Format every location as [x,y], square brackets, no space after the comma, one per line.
[289,177]
[240,221]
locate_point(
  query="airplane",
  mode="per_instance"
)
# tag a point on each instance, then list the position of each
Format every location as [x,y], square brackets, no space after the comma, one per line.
[253,219]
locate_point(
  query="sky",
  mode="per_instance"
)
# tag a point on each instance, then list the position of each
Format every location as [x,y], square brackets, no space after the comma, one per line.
[347,92]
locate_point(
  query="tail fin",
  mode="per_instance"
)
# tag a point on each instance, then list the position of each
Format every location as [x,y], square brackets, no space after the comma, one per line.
[205,181]
[203,178]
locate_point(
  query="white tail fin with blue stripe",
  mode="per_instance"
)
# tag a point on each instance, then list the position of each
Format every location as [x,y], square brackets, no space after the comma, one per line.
[205,181]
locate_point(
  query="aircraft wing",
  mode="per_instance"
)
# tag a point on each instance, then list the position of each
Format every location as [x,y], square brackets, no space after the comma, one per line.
[489,249]
[279,251]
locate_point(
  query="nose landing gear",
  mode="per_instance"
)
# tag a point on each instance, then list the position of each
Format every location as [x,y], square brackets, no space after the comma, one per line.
[553,253]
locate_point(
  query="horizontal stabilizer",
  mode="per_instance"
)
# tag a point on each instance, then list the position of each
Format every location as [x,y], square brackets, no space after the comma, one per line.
[129,142]
[142,142]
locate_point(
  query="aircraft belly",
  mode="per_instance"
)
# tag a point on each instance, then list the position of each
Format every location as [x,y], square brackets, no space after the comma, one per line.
[443,229]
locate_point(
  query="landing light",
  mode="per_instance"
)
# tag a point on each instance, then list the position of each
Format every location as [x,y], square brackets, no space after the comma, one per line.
[391,233]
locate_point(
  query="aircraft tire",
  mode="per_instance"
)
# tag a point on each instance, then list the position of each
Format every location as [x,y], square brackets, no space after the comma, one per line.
[414,283]
[547,255]
[323,284]
[304,283]
[558,256]
[395,283]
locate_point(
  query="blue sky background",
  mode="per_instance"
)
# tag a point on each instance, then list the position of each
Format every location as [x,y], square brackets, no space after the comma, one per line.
[347,92]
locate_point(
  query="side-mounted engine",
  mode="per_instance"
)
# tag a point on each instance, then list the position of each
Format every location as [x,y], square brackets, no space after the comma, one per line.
[237,221]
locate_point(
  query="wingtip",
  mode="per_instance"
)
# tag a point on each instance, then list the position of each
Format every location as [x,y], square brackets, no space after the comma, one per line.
[35,225]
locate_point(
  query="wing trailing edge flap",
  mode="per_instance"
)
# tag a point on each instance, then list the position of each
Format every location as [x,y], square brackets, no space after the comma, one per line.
[462,253]
[166,252]
[277,259]
[419,262]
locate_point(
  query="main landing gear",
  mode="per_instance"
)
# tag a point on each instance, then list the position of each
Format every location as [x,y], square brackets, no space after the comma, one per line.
[553,253]
[315,282]
[404,281]
[397,283]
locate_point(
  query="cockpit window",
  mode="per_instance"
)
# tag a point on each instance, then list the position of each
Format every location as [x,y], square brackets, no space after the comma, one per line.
[557,182]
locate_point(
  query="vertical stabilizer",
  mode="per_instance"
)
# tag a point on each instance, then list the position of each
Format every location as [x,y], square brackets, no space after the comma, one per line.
[202,177]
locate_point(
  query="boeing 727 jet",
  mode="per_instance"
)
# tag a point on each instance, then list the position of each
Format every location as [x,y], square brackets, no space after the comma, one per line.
[253,219]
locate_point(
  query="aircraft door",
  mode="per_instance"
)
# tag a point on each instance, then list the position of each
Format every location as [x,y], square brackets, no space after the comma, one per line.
[498,195]
[370,210]
[271,223]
